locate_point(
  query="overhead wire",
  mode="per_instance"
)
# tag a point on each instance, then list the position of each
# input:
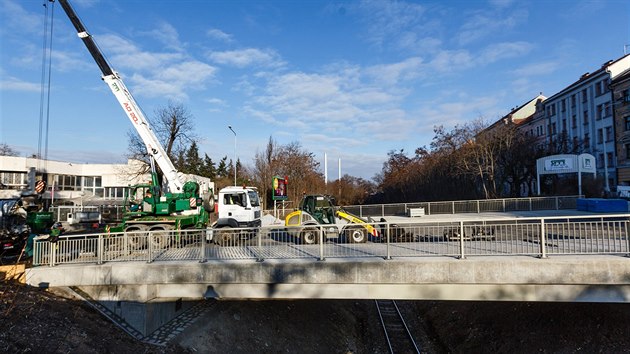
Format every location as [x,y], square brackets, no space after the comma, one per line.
[42,84]
[45,85]
[52,22]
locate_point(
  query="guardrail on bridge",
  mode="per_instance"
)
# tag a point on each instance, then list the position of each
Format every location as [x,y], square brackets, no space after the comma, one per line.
[536,237]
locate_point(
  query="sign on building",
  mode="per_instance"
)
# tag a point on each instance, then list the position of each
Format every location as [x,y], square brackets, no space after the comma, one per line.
[557,164]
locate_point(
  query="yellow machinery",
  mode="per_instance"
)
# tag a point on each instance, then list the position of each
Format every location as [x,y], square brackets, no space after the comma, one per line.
[319,210]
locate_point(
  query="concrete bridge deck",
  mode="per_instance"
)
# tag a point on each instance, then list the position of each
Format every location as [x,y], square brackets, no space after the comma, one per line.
[496,278]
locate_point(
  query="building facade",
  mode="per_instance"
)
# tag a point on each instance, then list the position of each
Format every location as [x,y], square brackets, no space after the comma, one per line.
[620,88]
[580,118]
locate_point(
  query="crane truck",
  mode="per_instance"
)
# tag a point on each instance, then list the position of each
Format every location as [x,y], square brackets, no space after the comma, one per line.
[149,206]
[319,210]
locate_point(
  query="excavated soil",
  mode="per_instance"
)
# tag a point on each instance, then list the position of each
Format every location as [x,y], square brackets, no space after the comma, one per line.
[37,321]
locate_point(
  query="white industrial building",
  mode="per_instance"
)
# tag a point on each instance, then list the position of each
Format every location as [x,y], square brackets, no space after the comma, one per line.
[69,183]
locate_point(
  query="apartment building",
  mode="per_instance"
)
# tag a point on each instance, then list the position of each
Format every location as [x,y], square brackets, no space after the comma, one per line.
[620,88]
[580,116]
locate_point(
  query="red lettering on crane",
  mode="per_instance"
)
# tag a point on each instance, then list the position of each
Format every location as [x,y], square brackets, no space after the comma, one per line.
[132,115]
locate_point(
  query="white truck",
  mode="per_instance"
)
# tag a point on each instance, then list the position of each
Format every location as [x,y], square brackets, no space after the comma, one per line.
[239,216]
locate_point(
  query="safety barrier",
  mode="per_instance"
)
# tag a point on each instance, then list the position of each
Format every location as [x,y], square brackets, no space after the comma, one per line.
[537,237]
[467,206]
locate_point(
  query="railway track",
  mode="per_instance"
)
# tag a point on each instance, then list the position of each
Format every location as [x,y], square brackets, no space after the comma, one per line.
[397,334]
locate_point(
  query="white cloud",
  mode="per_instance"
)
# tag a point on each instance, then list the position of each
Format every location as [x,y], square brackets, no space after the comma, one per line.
[15,84]
[389,19]
[498,51]
[481,24]
[193,73]
[17,21]
[537,69]
[219,35]
[392,74]
[246,57]
[166,34]
[174,80]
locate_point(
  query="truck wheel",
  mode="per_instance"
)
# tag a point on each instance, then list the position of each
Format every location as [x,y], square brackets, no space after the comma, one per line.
[309,236]
[160,236]
[356,235]
[136,237]
[225,237]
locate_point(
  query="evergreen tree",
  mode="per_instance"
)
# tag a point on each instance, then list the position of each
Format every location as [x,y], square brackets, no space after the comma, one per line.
[208,168]
[193,161]
[222,169]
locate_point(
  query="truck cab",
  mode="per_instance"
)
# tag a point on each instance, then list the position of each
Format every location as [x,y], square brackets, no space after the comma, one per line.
[238,207]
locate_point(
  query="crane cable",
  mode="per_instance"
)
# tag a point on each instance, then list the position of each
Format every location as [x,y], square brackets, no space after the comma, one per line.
[44,105]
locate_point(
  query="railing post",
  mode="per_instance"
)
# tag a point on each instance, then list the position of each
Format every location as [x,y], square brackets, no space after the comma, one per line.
[149,247]
[361,210]
[259,257]
[477,206]
[53,253]
[382,210]
[453,207]
[388,256]
[543,240]
[461,240]
[203,247]
[627,239]
[557,204]
[321,244]
[99,248]
[503,200]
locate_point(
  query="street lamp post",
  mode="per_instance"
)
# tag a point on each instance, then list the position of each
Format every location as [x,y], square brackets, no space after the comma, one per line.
[230,127]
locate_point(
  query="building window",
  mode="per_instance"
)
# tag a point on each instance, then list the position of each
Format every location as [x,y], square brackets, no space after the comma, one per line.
[574,121]
[598,88]
[626,121]
[607,109]
[553,128]
[114,192]
[13,180]
[600,111]
[585,117]
[626,95]
[609,158]
[609,134]
[587,141]
[600,136]
[627,151]
[600,160]
[584,96]
[564,125]
[68,183]
[572,100]
[564,105]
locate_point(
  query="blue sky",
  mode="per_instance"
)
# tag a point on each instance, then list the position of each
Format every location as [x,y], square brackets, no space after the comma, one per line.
[353,79]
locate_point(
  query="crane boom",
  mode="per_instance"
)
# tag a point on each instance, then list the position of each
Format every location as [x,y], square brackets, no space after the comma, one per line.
[127,102]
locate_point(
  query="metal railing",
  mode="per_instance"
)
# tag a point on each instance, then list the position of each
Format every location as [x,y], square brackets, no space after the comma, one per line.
[537,237]
[467,206]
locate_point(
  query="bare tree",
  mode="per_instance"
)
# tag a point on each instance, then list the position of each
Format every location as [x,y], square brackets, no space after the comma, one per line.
[264,166]
[173,125]
[6,150]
